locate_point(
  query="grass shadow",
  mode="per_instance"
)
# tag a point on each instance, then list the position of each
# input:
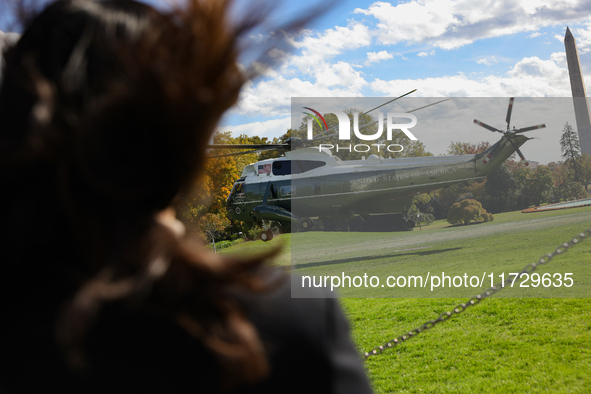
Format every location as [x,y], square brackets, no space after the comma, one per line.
[369,258]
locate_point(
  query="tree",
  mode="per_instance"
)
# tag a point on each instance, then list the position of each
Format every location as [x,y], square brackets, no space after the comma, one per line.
[271,154]
[467,211]
[443,199]
[477,190]
[574,191]
[560,178]
[212,188]
[585,162]
[211,225]
[466,148]
[535,186]
[571,151]
[420,210]
[501,190]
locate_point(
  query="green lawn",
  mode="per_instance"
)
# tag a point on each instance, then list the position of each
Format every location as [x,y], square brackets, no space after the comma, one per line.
[506,245]
[501,345]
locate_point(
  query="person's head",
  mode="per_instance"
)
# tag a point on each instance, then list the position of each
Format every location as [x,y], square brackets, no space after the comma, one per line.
[121,97]
[106,109]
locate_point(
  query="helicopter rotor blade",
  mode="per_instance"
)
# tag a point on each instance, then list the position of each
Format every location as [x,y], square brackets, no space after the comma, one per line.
[248,146]
[437,102]
[523,130]
[509,110]
[479,123]
[380,106]
[241,153]
[518,151]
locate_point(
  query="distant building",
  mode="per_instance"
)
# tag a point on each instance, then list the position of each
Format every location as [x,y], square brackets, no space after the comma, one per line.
[533,165]
[577,85]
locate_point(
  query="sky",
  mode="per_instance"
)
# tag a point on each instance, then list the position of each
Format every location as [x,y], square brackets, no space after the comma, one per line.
[442,48]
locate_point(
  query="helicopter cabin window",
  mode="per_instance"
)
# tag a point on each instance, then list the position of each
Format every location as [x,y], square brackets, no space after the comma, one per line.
[264,169]
[288,190]
[238,191]
[288,167]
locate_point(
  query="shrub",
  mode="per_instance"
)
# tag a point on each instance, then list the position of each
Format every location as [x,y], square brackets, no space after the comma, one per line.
[224,244]
[466,211]
[254,233]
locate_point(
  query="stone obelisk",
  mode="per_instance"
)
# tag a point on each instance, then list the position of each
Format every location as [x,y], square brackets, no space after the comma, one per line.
[577,85]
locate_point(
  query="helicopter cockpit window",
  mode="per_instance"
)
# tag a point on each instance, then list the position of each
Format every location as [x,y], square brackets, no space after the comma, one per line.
[287,167]
[238,191]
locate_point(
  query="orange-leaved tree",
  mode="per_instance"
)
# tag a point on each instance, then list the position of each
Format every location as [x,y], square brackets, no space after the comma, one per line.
[211,225]
[215,183]
[466,211]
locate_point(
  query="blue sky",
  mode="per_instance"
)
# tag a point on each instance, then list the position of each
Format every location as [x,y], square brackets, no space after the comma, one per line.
[443,48]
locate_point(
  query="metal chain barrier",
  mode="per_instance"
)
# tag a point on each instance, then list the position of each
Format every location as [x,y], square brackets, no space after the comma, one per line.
[562,248]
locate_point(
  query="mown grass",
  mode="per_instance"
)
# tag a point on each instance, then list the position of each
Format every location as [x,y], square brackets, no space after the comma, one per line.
[502,345]
[260,247]
[498,346]
[503,246]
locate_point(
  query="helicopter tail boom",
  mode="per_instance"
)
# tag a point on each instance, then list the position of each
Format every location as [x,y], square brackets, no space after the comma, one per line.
[493,157]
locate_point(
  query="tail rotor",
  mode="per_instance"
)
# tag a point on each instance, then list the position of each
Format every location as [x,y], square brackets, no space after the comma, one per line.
[510,134]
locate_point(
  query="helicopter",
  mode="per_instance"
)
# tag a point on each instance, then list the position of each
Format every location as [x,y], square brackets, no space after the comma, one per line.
[310,183]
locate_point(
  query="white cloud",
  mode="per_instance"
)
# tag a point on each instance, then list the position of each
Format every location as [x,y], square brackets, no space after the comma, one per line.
[449,24]
[488,61]
[530,77]
[583,38]
[424,54]
[318,70]
[310,73]
[534,35]
[273,97]
[340,73]
[269,128]
[317,48]
[374,57]
[559,58]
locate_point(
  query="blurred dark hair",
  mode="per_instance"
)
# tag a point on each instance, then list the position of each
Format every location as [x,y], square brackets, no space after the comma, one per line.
[105,112]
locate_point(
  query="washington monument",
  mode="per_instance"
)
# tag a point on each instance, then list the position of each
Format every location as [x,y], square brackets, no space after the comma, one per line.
[577,85]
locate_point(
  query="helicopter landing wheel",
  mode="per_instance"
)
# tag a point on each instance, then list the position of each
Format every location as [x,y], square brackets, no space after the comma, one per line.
[267,235]
[307,224]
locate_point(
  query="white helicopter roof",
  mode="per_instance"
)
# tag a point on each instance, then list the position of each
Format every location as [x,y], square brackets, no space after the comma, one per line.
[263,169]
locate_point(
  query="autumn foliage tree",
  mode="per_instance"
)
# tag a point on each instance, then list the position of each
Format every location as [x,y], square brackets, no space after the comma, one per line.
[467,148]
[466,211]
[216,181]
[211,225]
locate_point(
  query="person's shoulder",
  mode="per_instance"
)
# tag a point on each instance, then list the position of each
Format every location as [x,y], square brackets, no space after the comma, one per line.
[307,337]
[311,313]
